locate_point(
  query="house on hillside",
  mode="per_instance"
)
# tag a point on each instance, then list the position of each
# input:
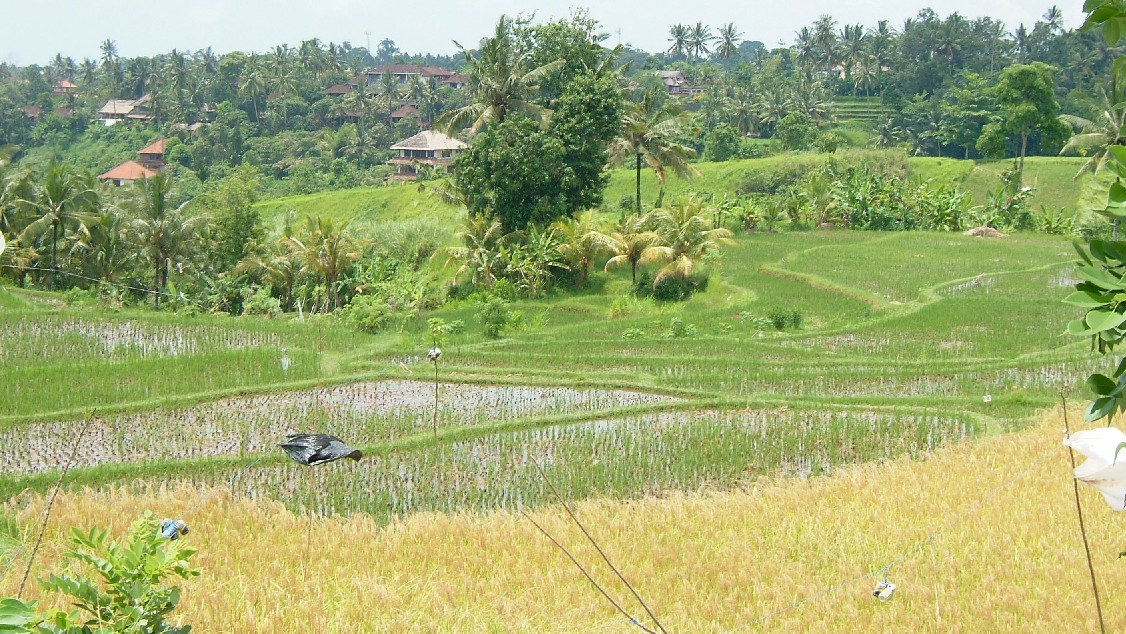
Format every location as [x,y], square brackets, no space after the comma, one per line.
[152,156]
[404,72]
[676,83]
[186,129]
[125,109]
[125,173]
[64,87]
[150,160]
[339,90]
[425,148]
[404,111]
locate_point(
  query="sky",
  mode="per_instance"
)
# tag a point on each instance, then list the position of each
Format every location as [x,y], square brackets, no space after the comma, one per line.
[33,32]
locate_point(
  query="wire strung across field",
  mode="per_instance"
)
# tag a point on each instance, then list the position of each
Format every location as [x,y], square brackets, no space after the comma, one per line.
[882,571]
[127,287]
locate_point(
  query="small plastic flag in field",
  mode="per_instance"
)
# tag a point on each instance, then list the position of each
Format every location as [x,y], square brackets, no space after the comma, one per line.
[1102,469]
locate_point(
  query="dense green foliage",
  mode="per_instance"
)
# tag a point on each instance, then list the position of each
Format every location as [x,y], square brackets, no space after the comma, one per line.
[1099,292]
[125,596]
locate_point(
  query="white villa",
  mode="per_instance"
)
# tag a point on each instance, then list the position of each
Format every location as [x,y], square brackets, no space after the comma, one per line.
[425,148]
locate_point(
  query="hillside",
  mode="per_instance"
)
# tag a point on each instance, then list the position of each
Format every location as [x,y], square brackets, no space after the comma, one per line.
[1051,178]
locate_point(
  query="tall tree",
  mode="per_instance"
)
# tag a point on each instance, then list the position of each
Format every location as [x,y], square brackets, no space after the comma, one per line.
[1027,100]
[388,93]
[62,201]
[164,234]
[515,171]
[728,41]
[501,80]
[252,85]
[648,137]
[699,39]
[678,35]
[110,66]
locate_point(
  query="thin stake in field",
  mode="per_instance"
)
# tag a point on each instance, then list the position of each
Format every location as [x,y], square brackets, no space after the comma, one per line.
[601,552]
[51,501]
[1082,526]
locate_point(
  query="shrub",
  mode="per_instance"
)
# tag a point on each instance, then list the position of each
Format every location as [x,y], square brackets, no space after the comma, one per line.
[622,306]
[672,288]
[722,143]
[367,313]
[679,330]
[795,131]
[632,333]
[828,142]
[260,302]
[495,315]
[127,597]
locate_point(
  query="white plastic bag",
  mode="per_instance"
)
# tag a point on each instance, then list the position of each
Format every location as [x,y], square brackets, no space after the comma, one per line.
[1105,467]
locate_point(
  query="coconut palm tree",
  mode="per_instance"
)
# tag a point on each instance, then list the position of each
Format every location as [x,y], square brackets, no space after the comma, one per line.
[60,202]
[887,134]
[164,234]
[1053,17]
[728,41]
[110,65]
[388,93]
[328,252]
[633,245]
[359,103]
[581,242]
[252,84]
[648,137]
[686,235]
[997,41]
[678,35]
[103,248]
[806,52]
[853,50]
[480,256]
[699,38]
[1096,134]
[501,80]
[881,40]
[865,73]
[278,265]
[825,42]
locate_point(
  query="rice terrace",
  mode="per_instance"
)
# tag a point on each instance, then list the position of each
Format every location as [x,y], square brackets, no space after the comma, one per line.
[384,347]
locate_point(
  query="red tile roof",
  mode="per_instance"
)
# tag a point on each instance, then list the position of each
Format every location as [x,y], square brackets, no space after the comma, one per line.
[156,147]
[127,171]
[404,110]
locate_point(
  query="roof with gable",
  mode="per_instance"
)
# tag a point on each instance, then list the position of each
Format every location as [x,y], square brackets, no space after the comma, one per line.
[124,107]
[156,147]
[404,110]
[127,171]
[430,140]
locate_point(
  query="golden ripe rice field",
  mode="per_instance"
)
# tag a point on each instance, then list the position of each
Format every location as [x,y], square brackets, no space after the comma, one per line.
[982,537]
